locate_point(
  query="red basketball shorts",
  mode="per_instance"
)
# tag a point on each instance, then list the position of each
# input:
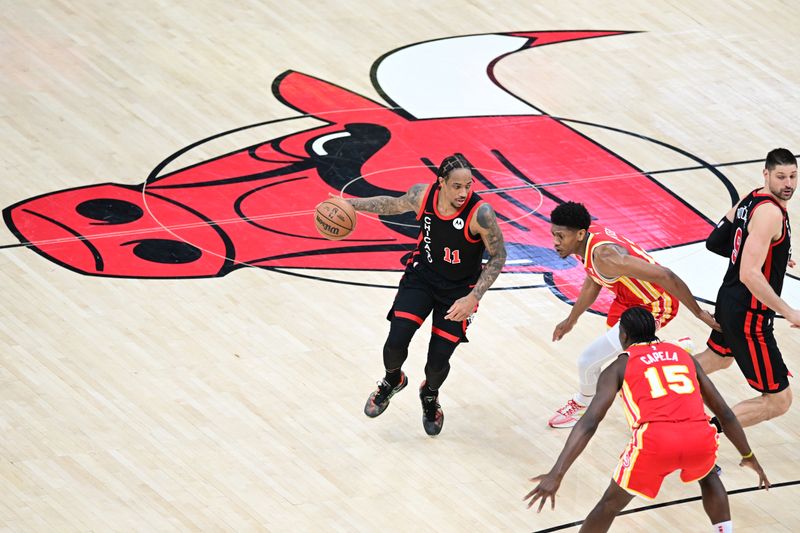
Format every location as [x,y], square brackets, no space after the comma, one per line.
[657,449]
[663,309]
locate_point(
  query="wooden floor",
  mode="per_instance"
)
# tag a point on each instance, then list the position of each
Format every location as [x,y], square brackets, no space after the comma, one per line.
[234,403]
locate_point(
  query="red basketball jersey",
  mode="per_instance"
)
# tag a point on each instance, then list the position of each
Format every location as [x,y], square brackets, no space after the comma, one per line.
[629,292]
[661,385]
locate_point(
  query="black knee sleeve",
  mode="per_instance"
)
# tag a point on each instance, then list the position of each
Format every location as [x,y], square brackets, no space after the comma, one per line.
[395,350]
[438,365]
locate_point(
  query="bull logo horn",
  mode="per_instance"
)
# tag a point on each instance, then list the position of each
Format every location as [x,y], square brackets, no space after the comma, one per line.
[454,77]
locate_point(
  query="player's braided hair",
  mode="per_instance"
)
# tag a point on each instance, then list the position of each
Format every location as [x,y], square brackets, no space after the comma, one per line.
[779,156]
[571,215]
[639,324]
[451,163]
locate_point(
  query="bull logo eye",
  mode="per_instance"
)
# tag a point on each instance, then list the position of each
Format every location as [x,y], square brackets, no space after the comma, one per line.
[110,210]
[165,251]
[458,223]
[318,146]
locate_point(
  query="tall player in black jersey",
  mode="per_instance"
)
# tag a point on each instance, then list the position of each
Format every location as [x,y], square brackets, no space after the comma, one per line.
[756,238]
[443,275]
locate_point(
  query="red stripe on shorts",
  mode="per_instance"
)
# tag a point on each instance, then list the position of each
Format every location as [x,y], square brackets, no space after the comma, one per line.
[443,334]
[409,316]
[748,322]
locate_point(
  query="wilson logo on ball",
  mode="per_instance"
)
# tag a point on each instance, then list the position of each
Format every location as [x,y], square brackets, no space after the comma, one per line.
[335,218]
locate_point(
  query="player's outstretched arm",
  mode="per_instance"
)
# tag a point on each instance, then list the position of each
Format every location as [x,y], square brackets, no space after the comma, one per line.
[614,261]
[607,387]
[730,424]
[484,224]
[589,292]
[392,205]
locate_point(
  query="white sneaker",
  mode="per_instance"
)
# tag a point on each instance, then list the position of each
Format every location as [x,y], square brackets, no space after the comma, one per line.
[567,416]
[687,344]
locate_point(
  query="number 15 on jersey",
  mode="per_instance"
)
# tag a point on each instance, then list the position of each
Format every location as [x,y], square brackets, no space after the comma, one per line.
[676,377]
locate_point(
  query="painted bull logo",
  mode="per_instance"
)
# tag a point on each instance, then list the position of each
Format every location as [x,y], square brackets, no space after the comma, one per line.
[251,207]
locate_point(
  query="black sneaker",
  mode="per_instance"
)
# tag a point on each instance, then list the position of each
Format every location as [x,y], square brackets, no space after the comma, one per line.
[378,401]
[432,415]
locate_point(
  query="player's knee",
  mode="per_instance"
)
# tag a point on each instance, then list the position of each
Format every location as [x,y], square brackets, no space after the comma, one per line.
[596,354]
[436,375]
[710,361]
[395,350]
[611,504]
[778,404]
[589,362]
[437,365]
[584,359]
[711,482]
[400,334]
[439,353]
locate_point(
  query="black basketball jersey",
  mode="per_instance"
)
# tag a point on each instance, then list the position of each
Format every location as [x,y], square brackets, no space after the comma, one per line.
[733,291]
[445,244]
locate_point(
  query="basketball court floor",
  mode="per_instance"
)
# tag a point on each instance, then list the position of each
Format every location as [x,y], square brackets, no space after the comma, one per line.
[180,351]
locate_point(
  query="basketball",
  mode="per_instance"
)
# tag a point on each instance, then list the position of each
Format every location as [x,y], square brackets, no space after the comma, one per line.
[334,218]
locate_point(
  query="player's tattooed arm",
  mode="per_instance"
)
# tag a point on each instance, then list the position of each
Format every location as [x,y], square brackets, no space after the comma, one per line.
[495,245]
[392,205]
[484,224]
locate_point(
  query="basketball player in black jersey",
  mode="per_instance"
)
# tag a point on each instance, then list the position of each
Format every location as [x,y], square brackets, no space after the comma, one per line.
[756,238]
[444,275]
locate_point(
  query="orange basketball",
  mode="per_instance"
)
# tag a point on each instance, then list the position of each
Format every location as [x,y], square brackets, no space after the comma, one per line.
[334,218]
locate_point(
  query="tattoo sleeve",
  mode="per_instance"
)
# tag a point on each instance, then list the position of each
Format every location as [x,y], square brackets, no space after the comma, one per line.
[391,205]
[493,239]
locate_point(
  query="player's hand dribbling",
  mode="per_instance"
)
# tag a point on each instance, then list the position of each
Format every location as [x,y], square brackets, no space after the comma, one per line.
[709,320]
[752,462]
[462,308]
[562,328]
[547,488]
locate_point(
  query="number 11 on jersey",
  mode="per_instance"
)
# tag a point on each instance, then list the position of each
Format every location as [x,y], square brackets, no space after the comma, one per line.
[451,256]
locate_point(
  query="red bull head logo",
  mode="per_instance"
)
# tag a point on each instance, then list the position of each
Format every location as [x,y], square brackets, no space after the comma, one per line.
[251,207]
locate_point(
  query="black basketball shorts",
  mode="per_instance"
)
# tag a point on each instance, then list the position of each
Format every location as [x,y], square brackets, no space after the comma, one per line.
[748,337]
[421,292]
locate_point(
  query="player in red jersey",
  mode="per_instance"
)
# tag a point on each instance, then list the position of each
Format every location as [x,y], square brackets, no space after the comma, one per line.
[663,390]
[613,262]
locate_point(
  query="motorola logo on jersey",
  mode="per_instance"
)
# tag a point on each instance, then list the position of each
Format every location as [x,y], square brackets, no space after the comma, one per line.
[252,207]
